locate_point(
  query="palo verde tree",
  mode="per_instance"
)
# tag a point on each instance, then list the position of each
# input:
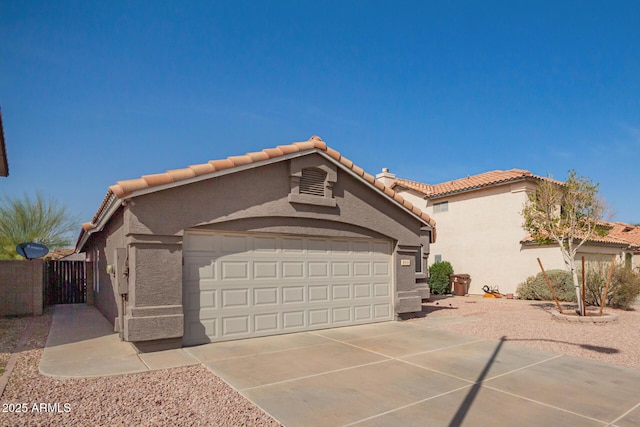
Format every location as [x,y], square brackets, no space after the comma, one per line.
[38,220]
[567,214]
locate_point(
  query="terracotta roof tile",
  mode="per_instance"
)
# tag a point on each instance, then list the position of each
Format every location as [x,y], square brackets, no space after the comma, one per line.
[221,164]
[205,168]
[273,152]
[181,174]
[258,156]
[289,149]
[357,170]
[470,182]
[124,188]
[333,153]
[240,160]
[157,179]
[348,163]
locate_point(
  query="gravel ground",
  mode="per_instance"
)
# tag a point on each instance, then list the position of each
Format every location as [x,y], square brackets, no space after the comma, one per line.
[190,396]
[10,331]
[529,323]
[193,396]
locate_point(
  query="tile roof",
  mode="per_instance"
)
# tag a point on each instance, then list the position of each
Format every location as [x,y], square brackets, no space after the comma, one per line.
[627,233]
[4,164]
[471,182]
[619,234]
[123,189]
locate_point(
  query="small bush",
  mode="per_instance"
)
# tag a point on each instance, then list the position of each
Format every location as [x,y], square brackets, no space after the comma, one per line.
[439,277]
[623,289]
[536,288]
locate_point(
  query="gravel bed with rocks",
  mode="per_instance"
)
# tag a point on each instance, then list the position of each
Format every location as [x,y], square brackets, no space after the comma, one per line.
[189,396]
[11,329]
[529,323]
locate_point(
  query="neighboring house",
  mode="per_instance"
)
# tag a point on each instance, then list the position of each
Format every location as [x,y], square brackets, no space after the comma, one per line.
[631,234]
[4,164]
[480,227]
[287,239]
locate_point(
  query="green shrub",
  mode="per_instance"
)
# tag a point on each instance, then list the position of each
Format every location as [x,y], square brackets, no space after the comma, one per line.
[623,289]
[439,277]
[536,288]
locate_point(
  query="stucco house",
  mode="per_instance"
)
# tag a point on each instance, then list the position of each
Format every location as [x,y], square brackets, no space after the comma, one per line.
[286,239]
[480,227]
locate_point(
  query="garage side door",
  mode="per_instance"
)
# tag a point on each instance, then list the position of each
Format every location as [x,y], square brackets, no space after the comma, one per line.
[247,285]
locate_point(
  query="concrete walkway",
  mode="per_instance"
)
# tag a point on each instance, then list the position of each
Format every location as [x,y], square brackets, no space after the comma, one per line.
[393,373]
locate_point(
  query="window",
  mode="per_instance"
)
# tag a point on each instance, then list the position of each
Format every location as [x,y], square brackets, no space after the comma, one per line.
[312,182]
[419,263]
[441,207]
[438,258]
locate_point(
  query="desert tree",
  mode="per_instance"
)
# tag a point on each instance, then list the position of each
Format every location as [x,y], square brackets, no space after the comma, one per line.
[568,214]
[37,219]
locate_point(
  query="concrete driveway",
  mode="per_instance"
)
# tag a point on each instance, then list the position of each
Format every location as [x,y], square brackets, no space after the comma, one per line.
[412,373]
[384,374]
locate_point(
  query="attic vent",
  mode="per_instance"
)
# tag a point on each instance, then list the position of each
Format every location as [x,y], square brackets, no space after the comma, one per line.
[312,182]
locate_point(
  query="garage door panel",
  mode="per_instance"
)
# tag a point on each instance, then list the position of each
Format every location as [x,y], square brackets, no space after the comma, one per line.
[319,317]
[341,314]
[233,270]
[265,270]
[318,293]
[318,269]
[362,290]
[257,285]
[293,319]
[293,294]
[232,298]
[381,290]
[266,322]
[292,269]
[265,296]
[235,325]
[362,312]
[361,269]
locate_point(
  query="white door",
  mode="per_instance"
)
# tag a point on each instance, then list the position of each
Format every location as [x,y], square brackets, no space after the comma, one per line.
[248,285]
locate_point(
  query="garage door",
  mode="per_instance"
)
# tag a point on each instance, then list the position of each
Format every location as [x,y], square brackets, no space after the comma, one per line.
[247,285]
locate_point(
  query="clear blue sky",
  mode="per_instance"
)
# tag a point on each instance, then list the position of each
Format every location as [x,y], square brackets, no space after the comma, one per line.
[96,92]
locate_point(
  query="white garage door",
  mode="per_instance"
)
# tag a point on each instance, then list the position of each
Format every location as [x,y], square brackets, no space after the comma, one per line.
[248,285]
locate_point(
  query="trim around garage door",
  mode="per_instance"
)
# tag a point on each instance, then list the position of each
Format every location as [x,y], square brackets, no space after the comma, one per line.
[239,285]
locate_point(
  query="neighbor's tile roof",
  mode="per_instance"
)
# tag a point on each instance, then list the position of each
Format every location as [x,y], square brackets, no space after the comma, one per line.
[125,188]
[626,232]
[618,233]
[471,182]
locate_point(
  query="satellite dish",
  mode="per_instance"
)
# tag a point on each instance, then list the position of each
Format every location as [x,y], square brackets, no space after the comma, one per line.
[32,250]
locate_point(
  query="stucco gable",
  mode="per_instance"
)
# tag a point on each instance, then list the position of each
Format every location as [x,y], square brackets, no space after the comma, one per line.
[126,189]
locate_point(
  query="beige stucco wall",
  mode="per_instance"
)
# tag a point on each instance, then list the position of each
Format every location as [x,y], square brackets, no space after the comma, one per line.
[480,235]
[255,200]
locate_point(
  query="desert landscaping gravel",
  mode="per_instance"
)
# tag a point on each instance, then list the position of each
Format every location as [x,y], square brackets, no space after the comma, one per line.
[190,396]
[193,396]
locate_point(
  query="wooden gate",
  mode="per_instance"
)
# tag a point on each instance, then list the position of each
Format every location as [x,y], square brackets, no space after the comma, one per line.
[64,282]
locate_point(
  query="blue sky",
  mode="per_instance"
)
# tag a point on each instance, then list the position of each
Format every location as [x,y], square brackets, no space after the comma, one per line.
[95,92]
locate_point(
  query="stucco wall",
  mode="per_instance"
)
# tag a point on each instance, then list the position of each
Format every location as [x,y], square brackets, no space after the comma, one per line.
[99,250]
[21,287]
[480,235]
